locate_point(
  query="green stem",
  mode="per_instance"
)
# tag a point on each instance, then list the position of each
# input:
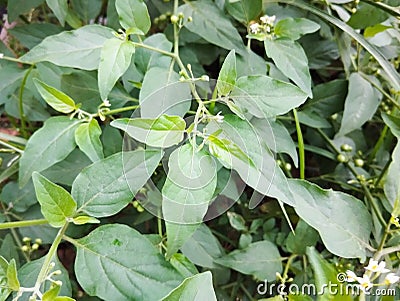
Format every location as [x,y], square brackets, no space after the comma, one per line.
[13,59]
[20,224]
[11,147]
[120,110]
[287,267]
[246,292]
[21,102]
[46,264]
[385,168]
[301,145]
[377,145]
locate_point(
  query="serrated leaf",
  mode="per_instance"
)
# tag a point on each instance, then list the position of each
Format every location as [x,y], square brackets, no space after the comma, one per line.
[291,60]
[56,203]
[54,141]
[108,269]
[60,9]
[295,28]
[87,137]
[164,131]
[105,187]
[115,59]
[196,288]
[58,100]
[133,13]
[12,278]
[162,93]
[260,259]
[264,97]
[187,191]
[227,75]
[342,221]
[78,48]
[360,105]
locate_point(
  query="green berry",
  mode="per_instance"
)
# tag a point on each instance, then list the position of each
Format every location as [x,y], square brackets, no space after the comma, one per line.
[359,162]
[341,158]
[174,19]
[346,148]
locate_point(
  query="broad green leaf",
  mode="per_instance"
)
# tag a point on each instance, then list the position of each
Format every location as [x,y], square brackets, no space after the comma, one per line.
[227,75]
[133,13]
[260,259]
[60,9]
[295,28]
[78,48]
[10,77]
[56,203]
[392,183]
[264,97]
[164,131]
[291,60]
[115,262]
[20,199]
[32,34]
[361,103]
[51,294]
[5,291]
[374,30]
[183,265]
[187,192]
[244,10]
[87,137]
[20,7]
[54,141]
[58,100]
[342,221]
[107,186]
[325,273]
[393,122]
[367,15]
[12,278]
[212,24]
[146,59]
[162,93]
[89,9]
[263,174]
[303,237]
[196,288]
[115,58]
[9,250]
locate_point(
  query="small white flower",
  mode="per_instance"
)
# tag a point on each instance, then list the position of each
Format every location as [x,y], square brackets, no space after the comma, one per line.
[351,276]
[365,283]
[254,28]
[1,55]
[376,267]
[391,278]
[268,19]
[219,118]
[106,103]
[268,28]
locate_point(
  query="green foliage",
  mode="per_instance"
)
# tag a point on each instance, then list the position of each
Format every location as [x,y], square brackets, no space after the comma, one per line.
[198,150]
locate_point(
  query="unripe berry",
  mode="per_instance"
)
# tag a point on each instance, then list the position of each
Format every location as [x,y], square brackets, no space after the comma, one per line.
[359,162]
[174,19]
[341,158]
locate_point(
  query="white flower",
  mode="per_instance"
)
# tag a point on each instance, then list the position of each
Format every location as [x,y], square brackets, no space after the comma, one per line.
[391,278]
[365,283]
[254,28]
[1,55]
[351,276]
[106,103]
[376,267]
[219,118]
[268,19]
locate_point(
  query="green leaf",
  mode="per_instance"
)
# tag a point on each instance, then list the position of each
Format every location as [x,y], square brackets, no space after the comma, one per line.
[361,103]
[105,187]
[51,294]
[60,9]
[83,220]
[183,265]
[54,141]
[32,34]
[164,131]
[87,137]
[20,199]
[260,259]
[5,291]
[325,273]
[124,266]
[146,58]
[212,24]
[227,75]
[12,279]
[162,93]
[294,29]
[367,15]
[244,10]
[58,100]
[237,221]
[196,288]
[20,7]
[291,60]
[342,221]
[392,182]
[56,203]
[10,77]
[374,30]
[9,250]
[89,9]
[133,13]
[264,97]
[77,48]
[393,122]
[115,58]
[187,192]
[303,237]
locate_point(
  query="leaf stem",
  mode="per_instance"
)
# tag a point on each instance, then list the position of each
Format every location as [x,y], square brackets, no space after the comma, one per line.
[20,224]
[11,147]
[21,102]
[16,60]
[301,145]
[120,110]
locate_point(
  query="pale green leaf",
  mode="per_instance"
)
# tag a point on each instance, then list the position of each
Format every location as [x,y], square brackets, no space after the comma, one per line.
[12,277]
[260,259]
[58,100]
[56,203]
[264,97]
[392,182]
[393,122]
[237,221]
[84,219]
[133,13]
[295,28]
[227,75]
[78,48]
[115,262]
[164,131]
[54,141]
[60,9]
[115,58]
[51,294]
[196,288]
[87,137]
[5,291]
[107,186]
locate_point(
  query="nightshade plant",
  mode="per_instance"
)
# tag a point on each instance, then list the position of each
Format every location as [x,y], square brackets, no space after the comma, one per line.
[193,150]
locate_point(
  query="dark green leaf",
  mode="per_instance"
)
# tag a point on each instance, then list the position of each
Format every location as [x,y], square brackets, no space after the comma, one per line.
[20,7]
[303,237]
[295,28]
[19,199]
[89,9]
[32,34]
[367,15]
[244,10]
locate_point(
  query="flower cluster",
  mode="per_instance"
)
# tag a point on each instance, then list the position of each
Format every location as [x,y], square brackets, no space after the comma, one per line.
[265,26]
[366,281]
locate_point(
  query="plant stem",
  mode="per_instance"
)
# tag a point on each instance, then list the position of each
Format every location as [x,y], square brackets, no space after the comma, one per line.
[20,224]
[301,145]
[385,168]
[377,145]
[13,59]
[11,147]
[21,102]
[120,110]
